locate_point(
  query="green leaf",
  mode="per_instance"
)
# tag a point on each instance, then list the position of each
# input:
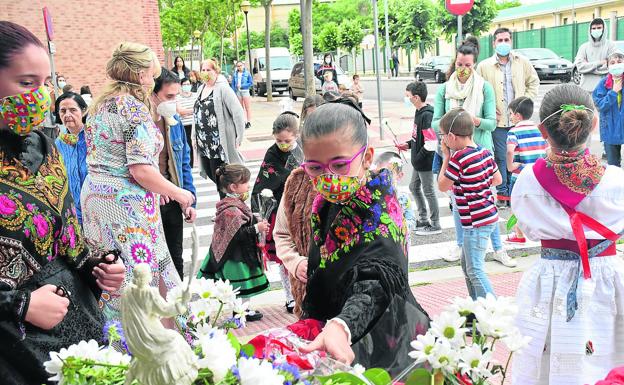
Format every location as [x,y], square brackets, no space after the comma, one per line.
[511,222]
[248,350]
[342,379]
[419,377]
[234,341]
[378,376]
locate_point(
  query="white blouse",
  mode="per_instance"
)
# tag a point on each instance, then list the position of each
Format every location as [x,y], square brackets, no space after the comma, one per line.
[540,217]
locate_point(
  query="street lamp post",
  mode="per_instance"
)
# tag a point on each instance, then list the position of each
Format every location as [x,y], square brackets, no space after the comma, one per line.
[245,8]
[196,35]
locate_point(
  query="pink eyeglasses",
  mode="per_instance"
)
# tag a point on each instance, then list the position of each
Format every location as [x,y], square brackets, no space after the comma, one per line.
[336,166]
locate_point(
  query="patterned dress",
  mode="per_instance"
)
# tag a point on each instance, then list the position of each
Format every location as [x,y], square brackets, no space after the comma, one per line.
[118,212]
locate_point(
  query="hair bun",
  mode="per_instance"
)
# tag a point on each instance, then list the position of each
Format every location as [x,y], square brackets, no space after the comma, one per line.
[220,170]
[471,40]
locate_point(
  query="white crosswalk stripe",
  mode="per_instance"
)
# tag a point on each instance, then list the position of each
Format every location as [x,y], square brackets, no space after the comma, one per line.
[423,248]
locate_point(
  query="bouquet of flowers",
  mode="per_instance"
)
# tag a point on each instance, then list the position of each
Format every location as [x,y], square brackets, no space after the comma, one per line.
[267,204]
[459,352]
[222,359]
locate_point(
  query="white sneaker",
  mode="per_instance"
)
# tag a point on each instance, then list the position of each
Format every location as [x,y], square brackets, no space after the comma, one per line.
[502,257]
[454,256]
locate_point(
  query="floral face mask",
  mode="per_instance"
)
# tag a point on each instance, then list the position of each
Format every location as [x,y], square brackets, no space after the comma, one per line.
[337,188]
[23,112]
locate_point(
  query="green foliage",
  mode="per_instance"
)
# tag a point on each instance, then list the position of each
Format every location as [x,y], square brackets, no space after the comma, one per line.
[180,18]
[328,38]
[350,35]
[279,38]
[475,22]
[505,4]
[511,222]
[296,44]
[378,376]
[341,379]
[410,22]
[294,23]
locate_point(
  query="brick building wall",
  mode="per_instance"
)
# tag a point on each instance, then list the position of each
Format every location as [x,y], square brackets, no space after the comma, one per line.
[87,31]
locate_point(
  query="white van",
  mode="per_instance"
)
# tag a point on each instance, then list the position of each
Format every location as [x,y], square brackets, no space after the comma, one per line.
[281,66]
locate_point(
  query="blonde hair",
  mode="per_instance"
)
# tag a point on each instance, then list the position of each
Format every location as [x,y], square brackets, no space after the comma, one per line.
[212,63]
[123,68]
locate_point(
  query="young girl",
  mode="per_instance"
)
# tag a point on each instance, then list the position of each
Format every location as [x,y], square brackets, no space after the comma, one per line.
[280,159]
[234,253]
[572,300]
[357,269]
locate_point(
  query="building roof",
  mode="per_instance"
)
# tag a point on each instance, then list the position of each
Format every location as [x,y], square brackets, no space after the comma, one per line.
[547,7]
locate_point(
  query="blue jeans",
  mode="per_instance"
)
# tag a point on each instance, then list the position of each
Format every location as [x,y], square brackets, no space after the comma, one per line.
[614,154]
[437,163]
[499,137]
[473,260]
[495,237]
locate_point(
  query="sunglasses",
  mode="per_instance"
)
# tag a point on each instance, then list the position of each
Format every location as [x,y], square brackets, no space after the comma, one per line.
[336,166]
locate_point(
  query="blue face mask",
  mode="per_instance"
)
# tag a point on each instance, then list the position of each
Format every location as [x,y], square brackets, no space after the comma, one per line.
[617,69]
[407,101]
[503,49]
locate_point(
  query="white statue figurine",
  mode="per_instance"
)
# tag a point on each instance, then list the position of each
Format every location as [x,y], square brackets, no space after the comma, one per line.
[160,356]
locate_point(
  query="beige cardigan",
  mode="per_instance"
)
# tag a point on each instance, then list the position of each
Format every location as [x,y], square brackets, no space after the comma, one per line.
[284,245]
[523,78]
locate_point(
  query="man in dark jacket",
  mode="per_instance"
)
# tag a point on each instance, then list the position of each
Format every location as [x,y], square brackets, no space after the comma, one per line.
[422,184]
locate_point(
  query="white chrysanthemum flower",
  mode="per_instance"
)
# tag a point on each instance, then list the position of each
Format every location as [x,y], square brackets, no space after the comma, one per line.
[474,362]
[358,370]
[423,346]
[218,354]
[449,326]
[255,372]
[203,309]
[465,305]
[224,292]
[266,193]
[204,288]
[113,357]
[516,341]
[175,294]
[501,306]
[444,357]
[83,349]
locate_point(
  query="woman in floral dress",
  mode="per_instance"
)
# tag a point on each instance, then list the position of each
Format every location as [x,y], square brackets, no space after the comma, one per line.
[121,194]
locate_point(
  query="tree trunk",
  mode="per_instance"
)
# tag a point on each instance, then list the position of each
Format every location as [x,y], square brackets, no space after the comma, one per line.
[221,53]
[354,54]
[306,31]
[267,49]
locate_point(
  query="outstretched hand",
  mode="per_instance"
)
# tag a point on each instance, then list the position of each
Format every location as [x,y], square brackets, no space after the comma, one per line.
[333,340]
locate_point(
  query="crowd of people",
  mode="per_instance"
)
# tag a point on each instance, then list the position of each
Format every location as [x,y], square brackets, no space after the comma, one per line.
[112,192]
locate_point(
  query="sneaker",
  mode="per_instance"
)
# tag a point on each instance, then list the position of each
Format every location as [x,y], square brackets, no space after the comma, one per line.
[253,315]
[515,239]
[247,125]
[501,205]
[502,257]
[454,256]
[422,224]
[290,306]
[429,230]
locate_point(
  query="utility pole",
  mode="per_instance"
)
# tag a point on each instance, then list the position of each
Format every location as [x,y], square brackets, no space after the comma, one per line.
[379,96]
[388,53]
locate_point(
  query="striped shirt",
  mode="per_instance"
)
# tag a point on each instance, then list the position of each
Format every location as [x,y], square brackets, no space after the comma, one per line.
[472,170]
[529,145]
[187,103]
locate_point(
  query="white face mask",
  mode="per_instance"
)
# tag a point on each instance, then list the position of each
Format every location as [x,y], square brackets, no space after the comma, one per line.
[62,84]
[328,60]
[186,88]
[167,110]
[596,33]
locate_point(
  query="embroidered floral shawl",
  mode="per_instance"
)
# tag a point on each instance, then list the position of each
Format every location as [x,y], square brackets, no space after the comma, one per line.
[232,214]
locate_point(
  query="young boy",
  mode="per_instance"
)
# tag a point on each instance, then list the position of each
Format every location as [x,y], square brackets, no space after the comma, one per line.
[471,172]
[525,145]
[422,183]
[329,85]
[358,89]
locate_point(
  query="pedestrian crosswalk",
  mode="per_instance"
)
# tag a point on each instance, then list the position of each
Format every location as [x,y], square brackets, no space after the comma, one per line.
[423,249]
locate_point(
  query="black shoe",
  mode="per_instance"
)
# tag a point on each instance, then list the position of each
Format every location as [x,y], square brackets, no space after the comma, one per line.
[253,315]
[422,224]
[247,125]
[290,306]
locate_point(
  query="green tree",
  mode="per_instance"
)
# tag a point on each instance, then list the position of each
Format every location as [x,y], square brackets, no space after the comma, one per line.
[279,36]
[415,23]
[475,22]
[350,36]
[296,44]
[328,38]
[505,4]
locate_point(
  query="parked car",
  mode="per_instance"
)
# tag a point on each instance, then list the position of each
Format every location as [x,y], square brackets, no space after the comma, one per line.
[296,83]
[547,64]
[281,66]
[434,68]
[576,75]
